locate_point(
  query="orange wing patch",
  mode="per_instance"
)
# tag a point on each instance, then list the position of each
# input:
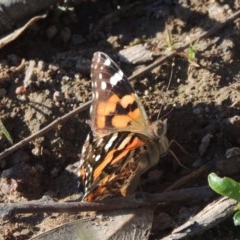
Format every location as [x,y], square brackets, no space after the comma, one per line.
[104,163]
[126,100]
[109,109]
[121,121]
[106,108]
[127,145]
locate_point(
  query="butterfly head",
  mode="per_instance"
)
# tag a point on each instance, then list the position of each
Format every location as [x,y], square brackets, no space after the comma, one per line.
[159,130]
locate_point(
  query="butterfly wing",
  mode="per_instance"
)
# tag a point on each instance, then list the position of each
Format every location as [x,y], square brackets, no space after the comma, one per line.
[110,167]
[115,106]
[118,150]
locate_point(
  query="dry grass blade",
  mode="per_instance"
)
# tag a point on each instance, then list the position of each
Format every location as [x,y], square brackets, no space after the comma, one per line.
[12,36]
[5,132]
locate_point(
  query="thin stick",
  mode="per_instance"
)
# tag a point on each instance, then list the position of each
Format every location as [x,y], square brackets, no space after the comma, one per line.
[134,201]
[84,106]
[46,129]
[203,170]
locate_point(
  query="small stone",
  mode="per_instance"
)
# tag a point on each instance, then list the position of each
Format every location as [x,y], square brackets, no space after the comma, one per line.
[205,143]
[25,232]
[197,110]
[231,128]
[232,152]
[136,54]
[41,66]
[58,96]
[217,11]
[20,90]
[65,78]
[53,67]
[37,151]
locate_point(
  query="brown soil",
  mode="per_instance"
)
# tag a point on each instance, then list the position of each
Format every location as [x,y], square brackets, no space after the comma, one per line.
[44,74]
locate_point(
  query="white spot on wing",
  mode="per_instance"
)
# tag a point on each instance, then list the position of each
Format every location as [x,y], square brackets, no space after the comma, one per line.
[99,142]
[110,142]
[97,157]
[94,83]
[100,75]
[120,73]
[107,62]
[96,95]
[98,59]
[116,77]
[103,85]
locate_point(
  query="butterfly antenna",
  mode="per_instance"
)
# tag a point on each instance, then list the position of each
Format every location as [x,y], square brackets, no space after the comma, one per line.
[174,155]
[180,146]
[166,114]
[159,113]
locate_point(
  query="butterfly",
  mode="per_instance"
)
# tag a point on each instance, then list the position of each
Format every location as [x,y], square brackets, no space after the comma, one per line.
[123,143]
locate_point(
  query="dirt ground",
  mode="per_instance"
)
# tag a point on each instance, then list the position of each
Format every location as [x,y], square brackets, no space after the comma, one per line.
[44,74]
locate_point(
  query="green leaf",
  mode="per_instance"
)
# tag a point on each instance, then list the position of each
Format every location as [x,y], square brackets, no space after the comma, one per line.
[191,53]
[5,132]
[224,186]
[236,219]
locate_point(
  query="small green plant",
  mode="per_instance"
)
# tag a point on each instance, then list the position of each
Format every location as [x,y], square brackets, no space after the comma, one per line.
[4,131]
[169,39]
[226,187]
[192,53]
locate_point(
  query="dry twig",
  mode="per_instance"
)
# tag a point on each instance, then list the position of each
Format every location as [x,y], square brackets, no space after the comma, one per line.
[210,216]
[203,170]
[133,201]
[12,36]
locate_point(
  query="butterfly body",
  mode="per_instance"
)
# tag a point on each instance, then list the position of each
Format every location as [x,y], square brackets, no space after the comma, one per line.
[123,143]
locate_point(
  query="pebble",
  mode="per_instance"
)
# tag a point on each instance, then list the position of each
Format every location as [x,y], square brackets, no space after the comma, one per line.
[58,96]
[197,110]
[217,11]
[20,90]
[41,66]
[25,232]
[232,152]
[136,54]
[231,128]
[205,143]
[53,67]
